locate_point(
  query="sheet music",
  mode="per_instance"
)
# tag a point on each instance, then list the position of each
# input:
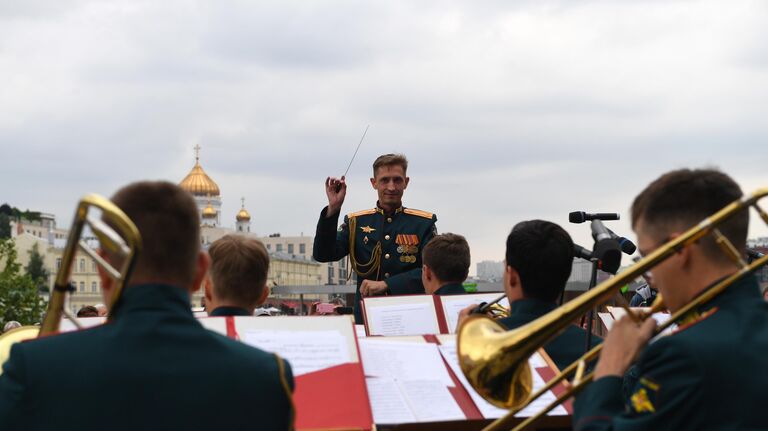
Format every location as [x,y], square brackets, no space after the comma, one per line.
[360,331]
[430,400]
[660,317]
[488,410]
[543,401]
[388,402]
[306,351]
[399,402]
[607,319]
[405,319]
[453,304]
[403,361]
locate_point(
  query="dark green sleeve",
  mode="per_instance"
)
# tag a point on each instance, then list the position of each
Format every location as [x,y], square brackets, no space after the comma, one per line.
[12,391]
[331,244]
[406,283]
[669,380]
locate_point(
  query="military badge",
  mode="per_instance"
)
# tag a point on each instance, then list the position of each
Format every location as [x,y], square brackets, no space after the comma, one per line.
[642,400]
[365,240]
[367,229]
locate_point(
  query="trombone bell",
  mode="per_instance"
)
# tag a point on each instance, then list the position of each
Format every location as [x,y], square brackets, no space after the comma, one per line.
[488,369]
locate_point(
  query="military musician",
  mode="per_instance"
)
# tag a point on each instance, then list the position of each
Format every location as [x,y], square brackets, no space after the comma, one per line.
[383,243]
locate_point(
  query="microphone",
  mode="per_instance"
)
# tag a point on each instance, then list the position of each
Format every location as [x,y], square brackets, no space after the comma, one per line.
[581,216]
[607,249]
[626,245]
[579,251]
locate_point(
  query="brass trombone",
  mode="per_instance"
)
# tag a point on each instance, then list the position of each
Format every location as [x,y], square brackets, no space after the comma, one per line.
[495,361]
[117,235]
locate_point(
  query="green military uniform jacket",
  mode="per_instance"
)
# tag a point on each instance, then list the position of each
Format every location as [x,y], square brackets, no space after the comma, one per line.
[563,349]
[451,289]
[710,374]
[381,247]
[152,367]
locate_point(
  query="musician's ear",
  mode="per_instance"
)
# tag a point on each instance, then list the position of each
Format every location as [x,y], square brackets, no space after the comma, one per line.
[512,285]
[264,295]
[373,182]
[201,270]
[208,289]
[427,273]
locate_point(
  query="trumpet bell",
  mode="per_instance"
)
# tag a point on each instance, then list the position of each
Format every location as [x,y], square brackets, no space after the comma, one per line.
[488,368]
[14,336]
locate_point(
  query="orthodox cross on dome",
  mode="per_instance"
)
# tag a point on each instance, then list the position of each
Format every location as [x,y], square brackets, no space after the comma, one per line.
[197,152]
[242,200]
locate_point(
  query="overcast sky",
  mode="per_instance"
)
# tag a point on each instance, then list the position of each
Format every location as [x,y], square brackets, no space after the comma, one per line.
[507,110]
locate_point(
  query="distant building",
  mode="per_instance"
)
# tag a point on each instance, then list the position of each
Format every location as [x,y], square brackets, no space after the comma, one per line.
[581,271]
[291,262]
[489,270]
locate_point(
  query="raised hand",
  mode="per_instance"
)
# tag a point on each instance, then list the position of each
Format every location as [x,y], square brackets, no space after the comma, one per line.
[336,190]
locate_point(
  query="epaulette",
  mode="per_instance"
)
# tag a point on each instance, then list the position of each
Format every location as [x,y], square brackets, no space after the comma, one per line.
[419,213]
[693,318]
[361,213]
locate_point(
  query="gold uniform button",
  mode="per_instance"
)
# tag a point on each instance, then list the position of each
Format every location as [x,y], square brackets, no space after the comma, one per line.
[386,275]
[389,219]
[386,237]
[386,256]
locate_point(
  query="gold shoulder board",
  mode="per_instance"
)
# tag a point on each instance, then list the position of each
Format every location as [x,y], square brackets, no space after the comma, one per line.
[361,213]
[419,213]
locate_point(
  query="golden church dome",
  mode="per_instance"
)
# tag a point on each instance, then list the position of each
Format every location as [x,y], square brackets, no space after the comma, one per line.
[209,212]
[243,214]
[198,182]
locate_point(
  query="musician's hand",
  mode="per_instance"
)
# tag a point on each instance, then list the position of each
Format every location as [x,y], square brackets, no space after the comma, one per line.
[372,288]
[622,345]
[463,314]
[336,190]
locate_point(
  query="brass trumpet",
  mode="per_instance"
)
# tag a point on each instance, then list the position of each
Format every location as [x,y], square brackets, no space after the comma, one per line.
[117,235]
[495,361]
[492,309]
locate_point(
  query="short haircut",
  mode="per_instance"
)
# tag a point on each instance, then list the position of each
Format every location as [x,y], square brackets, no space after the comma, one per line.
[239,269]
[167,219]
[88,311]
[680,199]
[390,160]
[447,255]
[542,254]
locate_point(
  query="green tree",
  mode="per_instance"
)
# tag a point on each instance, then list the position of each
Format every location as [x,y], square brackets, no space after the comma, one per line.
[36,269]
[19,299]
[5,226]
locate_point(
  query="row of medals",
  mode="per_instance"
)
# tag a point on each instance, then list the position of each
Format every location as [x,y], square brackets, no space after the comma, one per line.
[407,253]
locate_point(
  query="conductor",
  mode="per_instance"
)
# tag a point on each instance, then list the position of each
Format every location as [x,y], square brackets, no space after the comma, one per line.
[383,243]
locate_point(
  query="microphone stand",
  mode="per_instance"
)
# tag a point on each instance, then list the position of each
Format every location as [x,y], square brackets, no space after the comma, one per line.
[590,319]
